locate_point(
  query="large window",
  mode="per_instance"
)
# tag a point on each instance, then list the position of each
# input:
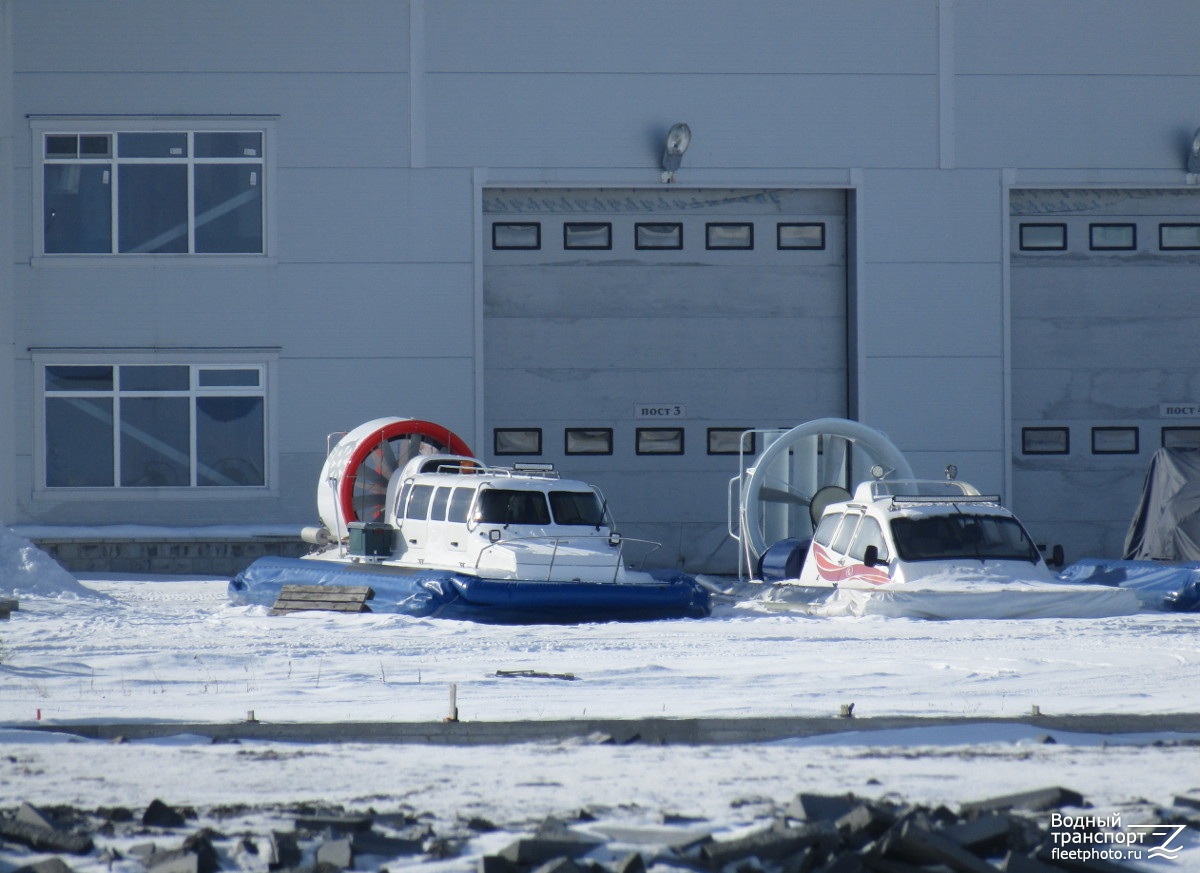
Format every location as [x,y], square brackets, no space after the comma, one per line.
[153,425]
[153,192]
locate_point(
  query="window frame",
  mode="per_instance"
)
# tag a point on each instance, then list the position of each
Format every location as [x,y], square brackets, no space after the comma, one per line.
[606,226]
[637,236]
[744,439]
[1063,432]
[779,228]
[45,126]
[1171,430]
[598,433]
[1107,225]
[747,226]
[537,232]
[263,360]
[1021,246]
[644,440]
[1162,247]
[1131,446]
[533,432]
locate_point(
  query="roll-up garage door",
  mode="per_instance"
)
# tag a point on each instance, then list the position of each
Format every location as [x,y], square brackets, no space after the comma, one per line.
[630,335]
[1105,369]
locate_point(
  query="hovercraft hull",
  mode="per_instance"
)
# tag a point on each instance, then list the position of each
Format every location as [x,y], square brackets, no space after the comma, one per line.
[429,593]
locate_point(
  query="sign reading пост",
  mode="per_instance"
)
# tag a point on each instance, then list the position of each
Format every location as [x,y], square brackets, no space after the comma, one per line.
[659,410]
[1179,410]
[1085,838]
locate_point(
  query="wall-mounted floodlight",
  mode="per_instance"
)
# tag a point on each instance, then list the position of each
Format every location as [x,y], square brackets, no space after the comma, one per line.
[679,137]
[1193,157]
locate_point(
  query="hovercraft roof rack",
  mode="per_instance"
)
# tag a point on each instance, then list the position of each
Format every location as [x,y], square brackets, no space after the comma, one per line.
[469,467]
[921,492]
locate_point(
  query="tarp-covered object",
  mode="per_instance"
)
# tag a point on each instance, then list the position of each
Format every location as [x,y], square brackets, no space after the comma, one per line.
[445,594]
[1158,585]
[1166,525]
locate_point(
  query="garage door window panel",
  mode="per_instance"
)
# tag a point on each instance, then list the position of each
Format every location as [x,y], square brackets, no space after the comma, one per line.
[588,441]
[800,236]
[657,235]
[1179,237]
[728,236]
[517,441]
[1043,237]
[516,235]
[1045,441]
[1181,437]
[587,235]
[1112,237]
[659,440]
[1114,441]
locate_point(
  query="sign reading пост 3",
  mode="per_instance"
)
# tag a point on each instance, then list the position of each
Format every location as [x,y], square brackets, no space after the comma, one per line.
[1179,410]
[659,410]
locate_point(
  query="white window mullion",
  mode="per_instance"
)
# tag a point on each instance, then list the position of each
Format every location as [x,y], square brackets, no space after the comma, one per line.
[191,213]
[193,384]
[114,229]
[116,395]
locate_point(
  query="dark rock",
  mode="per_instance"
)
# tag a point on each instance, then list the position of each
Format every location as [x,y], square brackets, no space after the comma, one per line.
[339,824]
[988,834]
[176,861]
[876,864]
[864,823]
[1191,801]
[115,814]
[846,864]
[1039,800]
[339,853]
[767,845]
[31,815]
[496,864]
[480,825]
[159,815]
[374,843]
[285,850]
[201,844]
[44,839]
[534,850]
[921,846]
[820,807]
[631,863]
[47,865]
[559,865]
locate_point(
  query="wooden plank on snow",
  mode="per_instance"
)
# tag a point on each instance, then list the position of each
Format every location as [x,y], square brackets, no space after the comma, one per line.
[327,598]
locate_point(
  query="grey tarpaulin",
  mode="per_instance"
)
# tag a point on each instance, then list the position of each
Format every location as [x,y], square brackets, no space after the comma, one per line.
[1166,525]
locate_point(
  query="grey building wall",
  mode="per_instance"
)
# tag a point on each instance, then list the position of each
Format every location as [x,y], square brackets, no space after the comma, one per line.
[388,120]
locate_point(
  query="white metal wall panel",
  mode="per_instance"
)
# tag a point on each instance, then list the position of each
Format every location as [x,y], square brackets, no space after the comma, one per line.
[708,36]
[1100,339]
[930,335]
[1076,37]
[737,338]
[737,121]
[149,36]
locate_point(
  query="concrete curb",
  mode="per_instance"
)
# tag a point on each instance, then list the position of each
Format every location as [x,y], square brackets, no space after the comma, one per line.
[662,731]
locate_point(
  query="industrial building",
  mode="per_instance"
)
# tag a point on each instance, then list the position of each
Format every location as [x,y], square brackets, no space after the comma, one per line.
[234,229]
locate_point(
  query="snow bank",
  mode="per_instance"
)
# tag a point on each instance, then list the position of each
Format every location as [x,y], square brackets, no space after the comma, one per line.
[26,569]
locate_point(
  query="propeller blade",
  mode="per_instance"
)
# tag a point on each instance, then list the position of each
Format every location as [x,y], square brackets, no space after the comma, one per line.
[782,495]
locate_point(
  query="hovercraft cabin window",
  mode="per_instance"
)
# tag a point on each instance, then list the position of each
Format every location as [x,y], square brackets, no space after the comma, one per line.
[153,425]
[153,190]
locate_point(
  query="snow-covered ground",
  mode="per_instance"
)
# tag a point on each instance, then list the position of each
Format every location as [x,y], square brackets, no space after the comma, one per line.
[121,649]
